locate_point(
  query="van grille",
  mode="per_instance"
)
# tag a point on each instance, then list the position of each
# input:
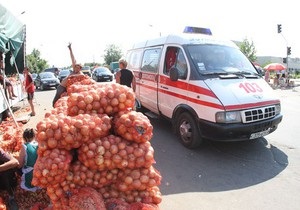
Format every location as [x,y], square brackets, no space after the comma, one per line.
[258,114]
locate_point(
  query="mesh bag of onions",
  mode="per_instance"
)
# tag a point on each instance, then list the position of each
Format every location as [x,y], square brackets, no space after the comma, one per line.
[95,151]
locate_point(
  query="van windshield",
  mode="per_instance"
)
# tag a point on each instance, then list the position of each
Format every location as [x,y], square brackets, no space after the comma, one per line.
[219,59]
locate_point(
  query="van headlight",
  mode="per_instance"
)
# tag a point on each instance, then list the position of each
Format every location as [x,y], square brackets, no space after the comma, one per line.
[228,117]
[277,109]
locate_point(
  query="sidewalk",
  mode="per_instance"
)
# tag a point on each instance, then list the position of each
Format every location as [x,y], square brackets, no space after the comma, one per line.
[293,84]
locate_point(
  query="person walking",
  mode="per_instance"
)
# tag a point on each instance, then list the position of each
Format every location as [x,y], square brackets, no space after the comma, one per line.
[125,76]
[62,88]
[27,159]
[29,88]
[267,76]
[8,178]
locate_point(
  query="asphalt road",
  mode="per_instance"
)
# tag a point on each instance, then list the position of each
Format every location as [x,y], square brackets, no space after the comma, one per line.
[260,174]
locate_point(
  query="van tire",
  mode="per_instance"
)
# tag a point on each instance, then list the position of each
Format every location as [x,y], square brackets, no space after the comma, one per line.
[188,131]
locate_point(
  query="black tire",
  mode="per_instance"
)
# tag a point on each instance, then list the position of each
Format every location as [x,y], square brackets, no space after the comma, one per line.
[188,131]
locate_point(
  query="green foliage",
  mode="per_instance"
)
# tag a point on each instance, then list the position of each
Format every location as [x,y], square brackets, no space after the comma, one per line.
[112,53]
[35,63]
[248,49]
[297,75]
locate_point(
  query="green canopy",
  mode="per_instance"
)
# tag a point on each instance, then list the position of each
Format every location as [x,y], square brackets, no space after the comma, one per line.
[12,32]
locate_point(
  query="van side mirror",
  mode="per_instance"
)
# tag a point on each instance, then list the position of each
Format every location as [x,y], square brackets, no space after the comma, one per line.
[174,74]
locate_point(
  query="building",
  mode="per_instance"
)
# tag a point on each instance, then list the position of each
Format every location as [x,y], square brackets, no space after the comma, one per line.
[293,63]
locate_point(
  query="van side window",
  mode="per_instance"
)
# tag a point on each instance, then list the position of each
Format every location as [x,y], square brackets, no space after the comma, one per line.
[134,58]
[181,65]
[170,59]
[151,60]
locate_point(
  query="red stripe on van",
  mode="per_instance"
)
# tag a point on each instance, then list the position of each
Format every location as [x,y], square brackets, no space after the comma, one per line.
[184,97]
[196,101]
[186,86]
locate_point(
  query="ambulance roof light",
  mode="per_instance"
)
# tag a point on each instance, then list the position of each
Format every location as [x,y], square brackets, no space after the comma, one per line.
[197,30]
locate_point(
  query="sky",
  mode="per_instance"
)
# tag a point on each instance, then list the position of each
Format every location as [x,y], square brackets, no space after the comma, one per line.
[92,25]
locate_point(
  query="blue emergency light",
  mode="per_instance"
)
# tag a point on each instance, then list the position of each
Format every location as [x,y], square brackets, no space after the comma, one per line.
[197,30]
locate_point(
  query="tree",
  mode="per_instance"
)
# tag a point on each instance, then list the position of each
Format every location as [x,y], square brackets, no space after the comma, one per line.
[35,63]
[248,49]
[112,53]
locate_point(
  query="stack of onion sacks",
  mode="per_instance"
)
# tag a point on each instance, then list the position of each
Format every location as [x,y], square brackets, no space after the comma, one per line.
[117,163]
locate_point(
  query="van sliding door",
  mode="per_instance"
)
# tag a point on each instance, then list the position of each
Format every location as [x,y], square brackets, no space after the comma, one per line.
[149,78]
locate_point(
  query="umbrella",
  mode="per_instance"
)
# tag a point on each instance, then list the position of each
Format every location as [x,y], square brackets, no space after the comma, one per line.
[274,67]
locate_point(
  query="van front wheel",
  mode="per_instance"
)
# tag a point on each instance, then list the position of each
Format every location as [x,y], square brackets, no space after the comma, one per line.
[188,131]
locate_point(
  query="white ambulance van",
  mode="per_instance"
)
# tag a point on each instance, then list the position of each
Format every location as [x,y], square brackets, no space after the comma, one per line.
[206,86]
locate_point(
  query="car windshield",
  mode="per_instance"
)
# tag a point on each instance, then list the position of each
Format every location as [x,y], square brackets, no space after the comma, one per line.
[34,76]
[211,58]
[47,75]
[102,70]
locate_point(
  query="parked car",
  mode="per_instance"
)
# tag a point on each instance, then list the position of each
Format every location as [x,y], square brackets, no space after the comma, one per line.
[34,75]
[102,74]
[63,74]
[86,70]
[54,70]
[46,80]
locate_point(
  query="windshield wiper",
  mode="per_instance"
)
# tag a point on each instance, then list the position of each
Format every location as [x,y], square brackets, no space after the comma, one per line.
[217,72]
[246,74]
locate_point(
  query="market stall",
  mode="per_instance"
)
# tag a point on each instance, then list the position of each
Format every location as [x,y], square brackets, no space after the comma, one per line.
[12,51]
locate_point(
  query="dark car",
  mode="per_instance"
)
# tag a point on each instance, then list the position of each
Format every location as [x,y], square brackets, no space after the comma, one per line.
[54,70]
[63,74]
[34,75]
[102,74]
[46,80]
[86,70]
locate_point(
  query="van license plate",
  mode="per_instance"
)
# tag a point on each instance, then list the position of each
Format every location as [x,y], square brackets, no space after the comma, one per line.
[259,134]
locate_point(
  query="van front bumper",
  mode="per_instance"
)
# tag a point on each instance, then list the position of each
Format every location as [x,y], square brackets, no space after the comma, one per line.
[237,131]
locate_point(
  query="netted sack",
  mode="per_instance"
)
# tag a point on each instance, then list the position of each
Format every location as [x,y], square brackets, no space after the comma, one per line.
[86,198]
[112,152]
[66,132]
[150,195]
[82,176]
[133,126]
[80,78]
[106,98]
[51,167]
[138,179]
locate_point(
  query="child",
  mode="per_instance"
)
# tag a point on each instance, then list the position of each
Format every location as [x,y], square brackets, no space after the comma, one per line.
[27,159]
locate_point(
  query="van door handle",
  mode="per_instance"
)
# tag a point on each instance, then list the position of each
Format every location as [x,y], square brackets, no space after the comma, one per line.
[164,87]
